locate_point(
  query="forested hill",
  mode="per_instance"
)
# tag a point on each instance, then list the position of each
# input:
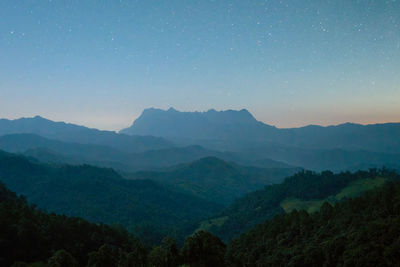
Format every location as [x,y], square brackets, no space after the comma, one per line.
[101,195]
[216,180]
[361,232]
[30,235]
[304,190]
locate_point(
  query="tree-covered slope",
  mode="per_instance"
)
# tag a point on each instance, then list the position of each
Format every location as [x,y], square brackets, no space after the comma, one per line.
[360,232]
[29,235]
[304,186]
[100,195]
[216,180]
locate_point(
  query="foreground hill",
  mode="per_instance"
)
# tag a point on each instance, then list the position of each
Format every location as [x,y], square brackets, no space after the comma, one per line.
[29,235]
[356,232]
[304,190]
[359,232]
[239,129]
[78,134]
[101,195]
[216,180]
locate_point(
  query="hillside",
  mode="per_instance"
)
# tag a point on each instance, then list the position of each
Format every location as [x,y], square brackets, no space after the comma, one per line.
[31,235]
[302,190]
[358,232]
[216,180]
[79,134]
[101,195]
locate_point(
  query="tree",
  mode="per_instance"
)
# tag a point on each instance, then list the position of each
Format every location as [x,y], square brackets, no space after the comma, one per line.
[204,249]
[62,258]
[165,255]
[107,256]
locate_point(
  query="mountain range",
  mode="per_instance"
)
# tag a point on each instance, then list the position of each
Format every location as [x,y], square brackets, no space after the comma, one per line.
[239,129]
[159,139]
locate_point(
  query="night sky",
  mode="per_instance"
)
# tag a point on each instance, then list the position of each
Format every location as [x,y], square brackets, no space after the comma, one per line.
[290,63]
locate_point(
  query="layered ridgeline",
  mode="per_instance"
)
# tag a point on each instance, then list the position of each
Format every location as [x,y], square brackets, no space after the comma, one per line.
[341,147]
[102,195]
[82,135]
[216,180]
[304,190]
[55,151]
[359,232]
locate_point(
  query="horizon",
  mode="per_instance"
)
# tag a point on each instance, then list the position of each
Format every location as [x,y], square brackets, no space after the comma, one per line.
[194,111]
[291,63]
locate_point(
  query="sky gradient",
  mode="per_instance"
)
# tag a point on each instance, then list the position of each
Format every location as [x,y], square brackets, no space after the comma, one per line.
[290,63]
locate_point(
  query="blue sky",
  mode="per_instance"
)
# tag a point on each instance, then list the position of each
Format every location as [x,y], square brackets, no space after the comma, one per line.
[290,63]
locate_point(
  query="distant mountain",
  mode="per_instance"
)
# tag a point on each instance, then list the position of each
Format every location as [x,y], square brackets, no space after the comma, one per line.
[210,127]
[304,190]
[101,195]
[216,180]
[238,130]
[78,134]
[54,151]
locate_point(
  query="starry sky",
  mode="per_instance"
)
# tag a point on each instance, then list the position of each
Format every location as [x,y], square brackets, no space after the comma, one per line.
[290,63]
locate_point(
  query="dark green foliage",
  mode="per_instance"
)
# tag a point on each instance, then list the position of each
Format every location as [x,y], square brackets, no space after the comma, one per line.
[62,258]
[204,249]
[28,234]
[360,232]
[165,255]
[101,195]
[107,256]
[216,180]
[261,205]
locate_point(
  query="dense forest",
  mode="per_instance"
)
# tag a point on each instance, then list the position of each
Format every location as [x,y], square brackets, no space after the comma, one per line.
[101,195]
[356,232]
[29,235]
[216,180]
[359,232]
[305,186]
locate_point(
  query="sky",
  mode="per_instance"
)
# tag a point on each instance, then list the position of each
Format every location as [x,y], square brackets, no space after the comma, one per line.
[290,63]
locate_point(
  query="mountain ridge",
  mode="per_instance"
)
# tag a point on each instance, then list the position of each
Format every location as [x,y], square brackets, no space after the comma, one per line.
[238,130]
[73,133]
